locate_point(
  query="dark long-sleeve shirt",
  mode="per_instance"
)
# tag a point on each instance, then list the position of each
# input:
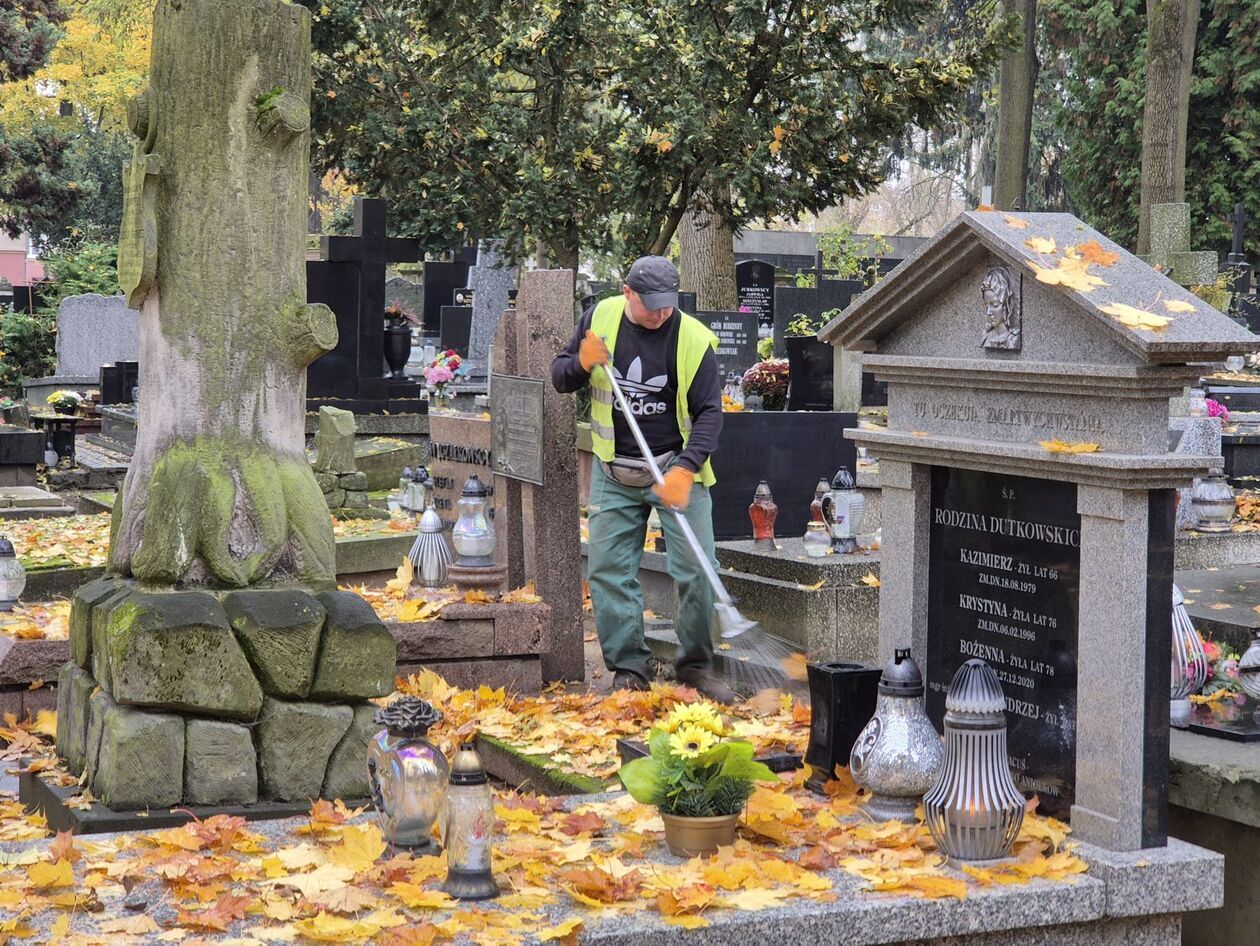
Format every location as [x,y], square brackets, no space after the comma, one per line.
[646,364]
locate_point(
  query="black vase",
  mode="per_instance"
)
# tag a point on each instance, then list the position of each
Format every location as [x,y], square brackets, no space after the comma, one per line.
[397,349]
[842,698]
[811,374]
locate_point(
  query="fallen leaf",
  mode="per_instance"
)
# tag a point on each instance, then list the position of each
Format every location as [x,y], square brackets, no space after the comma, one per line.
[1070,273]
[1177,305]
[1135,318]
[1015,222]
[565,932]
[869,580]
[1065,446]
[1093,252]
[1044,245]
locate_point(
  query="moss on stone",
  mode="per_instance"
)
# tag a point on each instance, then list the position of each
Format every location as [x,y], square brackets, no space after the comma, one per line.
[538,773]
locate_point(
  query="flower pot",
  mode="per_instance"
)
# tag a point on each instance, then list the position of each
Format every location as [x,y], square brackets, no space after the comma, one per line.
[688,837]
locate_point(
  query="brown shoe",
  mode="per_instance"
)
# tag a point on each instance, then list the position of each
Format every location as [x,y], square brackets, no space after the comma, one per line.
[708,684]
[628,680]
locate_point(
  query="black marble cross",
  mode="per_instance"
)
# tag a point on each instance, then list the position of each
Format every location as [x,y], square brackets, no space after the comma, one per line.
[1240,219]
[372,250]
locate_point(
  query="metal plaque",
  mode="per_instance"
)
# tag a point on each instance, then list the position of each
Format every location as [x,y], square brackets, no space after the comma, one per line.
[516,427]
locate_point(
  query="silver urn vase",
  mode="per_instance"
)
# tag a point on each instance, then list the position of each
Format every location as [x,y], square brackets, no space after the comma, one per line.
[407,774]
[897,756]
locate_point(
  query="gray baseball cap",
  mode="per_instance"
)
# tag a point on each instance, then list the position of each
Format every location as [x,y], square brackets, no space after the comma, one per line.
[655,279]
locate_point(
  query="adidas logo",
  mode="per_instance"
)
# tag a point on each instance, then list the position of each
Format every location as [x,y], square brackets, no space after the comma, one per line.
[637,390]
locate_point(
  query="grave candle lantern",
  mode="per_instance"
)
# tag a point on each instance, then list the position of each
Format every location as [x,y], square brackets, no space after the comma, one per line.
[1249,669]
[473,534]
[898,753]
[469,829]
[429,553]
[12,575]
[816,507]
[1189,662]
[845,506]
[763,511]
[407,774]
[1213,502]
[974,810]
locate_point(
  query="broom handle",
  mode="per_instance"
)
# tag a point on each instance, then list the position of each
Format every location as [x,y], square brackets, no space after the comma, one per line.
[706,566]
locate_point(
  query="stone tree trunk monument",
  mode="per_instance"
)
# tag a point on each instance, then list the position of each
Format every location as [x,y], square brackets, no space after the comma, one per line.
[216,663]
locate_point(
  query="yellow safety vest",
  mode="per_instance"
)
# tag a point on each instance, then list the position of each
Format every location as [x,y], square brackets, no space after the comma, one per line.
[694,338]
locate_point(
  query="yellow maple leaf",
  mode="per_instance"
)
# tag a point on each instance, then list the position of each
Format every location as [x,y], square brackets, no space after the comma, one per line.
[326,928]
[932,886]
[1178,305]
[415,610]
[398,585]
[869,580]
[1044,245]
[1133,317]
[1065,446]
[566,931]
[45,875]
[1070,273]
[415,897]
[361,845]
[687,922]
[1015,222]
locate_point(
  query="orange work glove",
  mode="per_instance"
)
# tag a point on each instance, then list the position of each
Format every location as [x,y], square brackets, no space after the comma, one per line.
[592,351]
[676,490]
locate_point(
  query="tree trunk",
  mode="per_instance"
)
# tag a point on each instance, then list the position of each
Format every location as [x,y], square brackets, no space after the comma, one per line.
[219,492]
[1016,81]
[1171,28]
[707,247]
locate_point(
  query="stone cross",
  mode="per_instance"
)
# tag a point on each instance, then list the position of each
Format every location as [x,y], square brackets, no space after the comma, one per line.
[373,251]
[1237,258]
[540,527]
[490,281]
[1170,248]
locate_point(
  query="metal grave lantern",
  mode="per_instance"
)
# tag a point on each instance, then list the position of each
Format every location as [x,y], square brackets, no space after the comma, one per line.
[1189,662]
[429,553]
[974,810]
[898,753]
[844,508]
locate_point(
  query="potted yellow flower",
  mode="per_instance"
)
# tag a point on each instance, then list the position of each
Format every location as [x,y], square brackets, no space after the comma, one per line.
[696,777]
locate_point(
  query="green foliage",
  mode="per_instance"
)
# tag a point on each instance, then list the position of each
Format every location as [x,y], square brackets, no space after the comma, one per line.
[805,280]
[1097,55]
[765,348]
[717,780]
[29,342]
[36,192]
[845,251]
[598,123]
[28,32]
[801,325]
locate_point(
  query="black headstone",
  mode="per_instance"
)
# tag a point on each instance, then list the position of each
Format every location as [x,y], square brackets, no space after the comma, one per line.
[112,385]
[456,328]
[827,295]
[754,287]
[687,302]
[440,282]
[737,339]
[130,378]
[790,450]
[351,281]
[811,374]
[1004,569]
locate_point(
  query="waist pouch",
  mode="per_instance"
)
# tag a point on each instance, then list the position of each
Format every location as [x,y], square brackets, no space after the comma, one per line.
[635,473]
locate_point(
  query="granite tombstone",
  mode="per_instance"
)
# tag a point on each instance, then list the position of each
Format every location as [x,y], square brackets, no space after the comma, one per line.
[754,287]
[737,340]
[1055,567]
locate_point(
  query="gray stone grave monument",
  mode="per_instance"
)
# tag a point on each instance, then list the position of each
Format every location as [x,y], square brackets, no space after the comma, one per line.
[540,530]
[1170,247]
[92,330]
[490,280]
[1056,567]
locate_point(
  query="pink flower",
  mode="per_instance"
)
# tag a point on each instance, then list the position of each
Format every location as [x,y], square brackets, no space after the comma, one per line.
[1217,409]
[1212,650]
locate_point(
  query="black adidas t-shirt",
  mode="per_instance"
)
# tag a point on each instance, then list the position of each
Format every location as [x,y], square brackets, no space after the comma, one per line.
[646,365]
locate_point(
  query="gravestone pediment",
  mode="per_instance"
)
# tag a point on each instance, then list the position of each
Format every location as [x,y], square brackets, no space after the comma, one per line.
[1008,288]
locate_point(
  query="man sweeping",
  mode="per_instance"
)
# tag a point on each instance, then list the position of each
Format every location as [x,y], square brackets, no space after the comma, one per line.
[664,361]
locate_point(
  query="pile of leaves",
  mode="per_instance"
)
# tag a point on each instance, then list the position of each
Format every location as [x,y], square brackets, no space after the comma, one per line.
[35,622]
[328,877]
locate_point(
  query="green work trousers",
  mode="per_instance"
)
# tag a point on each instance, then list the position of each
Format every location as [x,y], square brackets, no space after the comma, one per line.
[618,518]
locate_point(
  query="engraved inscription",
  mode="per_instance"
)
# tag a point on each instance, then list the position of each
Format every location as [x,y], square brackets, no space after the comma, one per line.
[1069,421]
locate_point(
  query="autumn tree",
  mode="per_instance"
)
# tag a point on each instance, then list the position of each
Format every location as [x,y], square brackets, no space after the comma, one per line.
[598,125]
[1016,83]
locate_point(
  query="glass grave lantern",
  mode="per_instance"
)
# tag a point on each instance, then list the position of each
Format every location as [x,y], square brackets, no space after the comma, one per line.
[1212,500]
[473,535]
[816,506]
[469,829]
[974,810]
[12,575]
[762,512]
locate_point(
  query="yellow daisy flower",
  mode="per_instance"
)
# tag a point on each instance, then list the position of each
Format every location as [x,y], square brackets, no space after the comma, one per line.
[691,741]
[701,714]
